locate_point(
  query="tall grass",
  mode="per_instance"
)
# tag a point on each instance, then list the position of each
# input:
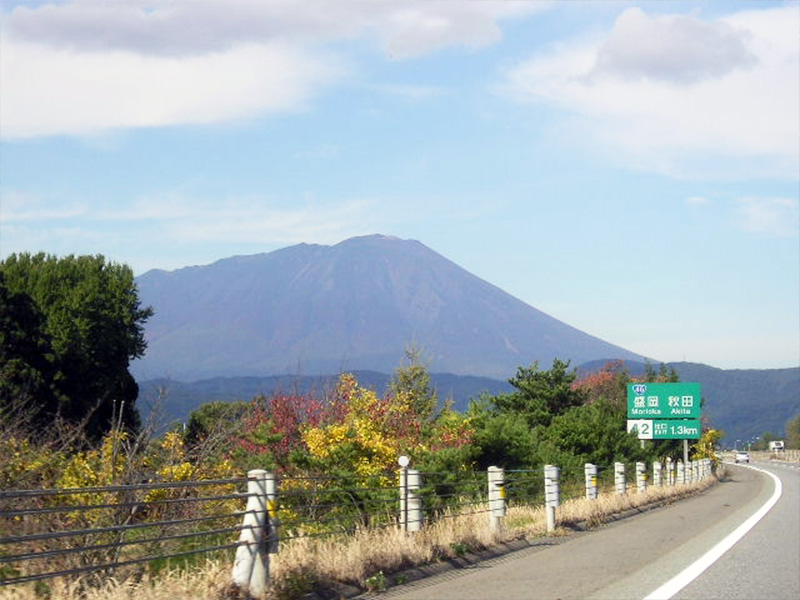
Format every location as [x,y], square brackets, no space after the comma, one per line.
[369,557]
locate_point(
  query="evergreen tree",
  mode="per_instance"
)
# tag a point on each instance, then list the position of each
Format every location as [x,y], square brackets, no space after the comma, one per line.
[414,381]
[541,395]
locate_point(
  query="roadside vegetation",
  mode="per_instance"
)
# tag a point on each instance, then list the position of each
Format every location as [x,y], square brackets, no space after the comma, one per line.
[68,419]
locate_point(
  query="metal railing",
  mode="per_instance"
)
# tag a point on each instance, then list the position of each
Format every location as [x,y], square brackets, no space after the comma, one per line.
[76,531]
[67,532]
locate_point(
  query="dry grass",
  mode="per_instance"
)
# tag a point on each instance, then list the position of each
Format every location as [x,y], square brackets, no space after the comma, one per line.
[363,559]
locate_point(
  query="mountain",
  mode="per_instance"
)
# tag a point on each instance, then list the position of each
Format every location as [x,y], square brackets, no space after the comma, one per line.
[313,309]
[745,403]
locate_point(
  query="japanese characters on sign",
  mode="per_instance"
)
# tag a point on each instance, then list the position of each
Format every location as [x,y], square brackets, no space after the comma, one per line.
[664,400]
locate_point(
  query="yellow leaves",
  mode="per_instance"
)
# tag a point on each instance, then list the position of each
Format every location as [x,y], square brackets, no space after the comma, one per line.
[173,443]
[97,467]
[370,433]
[706,446]
[22,460]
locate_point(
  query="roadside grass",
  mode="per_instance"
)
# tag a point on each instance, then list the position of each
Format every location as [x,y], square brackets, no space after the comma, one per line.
[370,559]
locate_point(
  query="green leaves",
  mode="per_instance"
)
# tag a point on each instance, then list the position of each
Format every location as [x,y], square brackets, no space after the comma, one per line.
[92,317]
[541,395]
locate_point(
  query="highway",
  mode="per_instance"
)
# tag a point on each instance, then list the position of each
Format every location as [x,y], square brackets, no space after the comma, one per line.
[693,549]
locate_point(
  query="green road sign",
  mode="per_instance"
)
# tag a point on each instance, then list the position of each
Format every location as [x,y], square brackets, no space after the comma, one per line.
[663,400]
[666,429]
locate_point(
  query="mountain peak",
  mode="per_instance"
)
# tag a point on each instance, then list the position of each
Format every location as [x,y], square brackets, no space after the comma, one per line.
[312,309]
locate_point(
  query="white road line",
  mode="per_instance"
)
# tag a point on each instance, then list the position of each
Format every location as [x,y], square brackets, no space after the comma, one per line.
[690,573]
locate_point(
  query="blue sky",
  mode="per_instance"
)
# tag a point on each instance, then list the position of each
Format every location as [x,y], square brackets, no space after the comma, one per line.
[632,169]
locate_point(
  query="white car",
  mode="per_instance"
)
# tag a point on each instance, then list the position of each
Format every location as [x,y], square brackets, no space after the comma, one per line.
[741,456]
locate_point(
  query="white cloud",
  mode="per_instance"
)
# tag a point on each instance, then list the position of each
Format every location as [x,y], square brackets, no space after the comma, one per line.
[18,207]
[177,27]
[779,217]
[237,221]
[82,68]
[697,201]
[152,230]
[673,48]
[668,105]
[48,92]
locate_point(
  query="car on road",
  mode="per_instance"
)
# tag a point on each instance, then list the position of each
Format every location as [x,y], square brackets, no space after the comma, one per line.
[741,456]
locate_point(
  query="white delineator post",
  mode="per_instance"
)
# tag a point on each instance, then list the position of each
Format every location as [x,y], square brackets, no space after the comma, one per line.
[552,494]
[657,476]
[590,474]
[414,501]
[251,565]
[619,478]
[497,497]
[681,472]
[641,477]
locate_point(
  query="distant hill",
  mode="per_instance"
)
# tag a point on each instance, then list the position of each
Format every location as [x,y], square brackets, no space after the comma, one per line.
[746,402]
[311,310]
[174,400]
[743,403]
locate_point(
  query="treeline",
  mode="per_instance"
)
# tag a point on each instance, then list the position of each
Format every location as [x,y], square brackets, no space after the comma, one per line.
[69,328]
[551,416]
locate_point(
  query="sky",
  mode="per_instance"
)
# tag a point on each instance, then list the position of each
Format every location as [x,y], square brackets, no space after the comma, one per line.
[630,168]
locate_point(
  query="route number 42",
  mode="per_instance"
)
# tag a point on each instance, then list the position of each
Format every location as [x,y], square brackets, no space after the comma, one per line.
[642,427]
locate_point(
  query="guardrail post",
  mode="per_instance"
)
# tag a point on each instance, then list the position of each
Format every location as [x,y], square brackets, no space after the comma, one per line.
[619,478]
[695,470]
[590,473]
[251,565]
[670,471]
[552,494]
[657,479]
[497,497]
[641,477]
[681,472]
[414,501]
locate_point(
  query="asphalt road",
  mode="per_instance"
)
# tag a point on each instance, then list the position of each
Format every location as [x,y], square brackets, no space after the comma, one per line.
[636,556]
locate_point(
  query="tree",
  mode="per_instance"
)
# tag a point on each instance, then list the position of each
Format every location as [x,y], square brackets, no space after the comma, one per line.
[414,382]
[609,383]
[94,318]
[27,367]
[664,374]
[793,433]
[592,433]
[500,439]
[541,395]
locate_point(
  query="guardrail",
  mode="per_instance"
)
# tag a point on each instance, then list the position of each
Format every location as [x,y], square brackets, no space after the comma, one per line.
[782,455]
[66,532]
[59,532]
